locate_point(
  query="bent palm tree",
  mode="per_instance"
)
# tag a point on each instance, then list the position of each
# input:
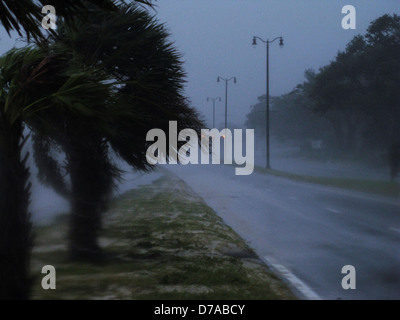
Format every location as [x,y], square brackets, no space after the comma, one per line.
[15,108]
[25,15]
[20,72]
[130,46]
[31,82]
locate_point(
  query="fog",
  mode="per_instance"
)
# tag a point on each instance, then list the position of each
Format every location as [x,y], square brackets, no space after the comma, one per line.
[215,38]
[278,217]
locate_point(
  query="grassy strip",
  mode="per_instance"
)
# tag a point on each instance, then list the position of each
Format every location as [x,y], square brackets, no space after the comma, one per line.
[383,188]
[166,243]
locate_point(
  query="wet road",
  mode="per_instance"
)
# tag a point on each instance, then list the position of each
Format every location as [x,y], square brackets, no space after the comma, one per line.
[308,232]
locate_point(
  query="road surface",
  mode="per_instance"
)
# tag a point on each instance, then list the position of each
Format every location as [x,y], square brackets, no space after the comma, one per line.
[307,233]
[282,157]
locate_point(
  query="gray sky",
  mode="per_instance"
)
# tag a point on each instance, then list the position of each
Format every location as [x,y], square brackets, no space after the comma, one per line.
[215,38]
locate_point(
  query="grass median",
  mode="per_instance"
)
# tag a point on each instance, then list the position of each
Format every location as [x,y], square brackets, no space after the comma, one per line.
[382,188]
[166,243]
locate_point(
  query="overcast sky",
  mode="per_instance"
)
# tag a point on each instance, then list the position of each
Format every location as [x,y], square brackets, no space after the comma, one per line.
[215,38]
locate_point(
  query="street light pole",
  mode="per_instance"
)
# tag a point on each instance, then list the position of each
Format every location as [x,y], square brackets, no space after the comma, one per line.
[226,97]
[213,114]
[213,100]
[267,42]
[226,104]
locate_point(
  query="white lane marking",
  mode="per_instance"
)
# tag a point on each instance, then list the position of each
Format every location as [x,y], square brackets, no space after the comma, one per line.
[332,210]
[343,192]
[305,290]
[293,198]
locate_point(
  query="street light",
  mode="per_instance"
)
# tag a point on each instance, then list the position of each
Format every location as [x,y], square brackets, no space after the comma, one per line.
[267,42]
[213,100]
[226,97]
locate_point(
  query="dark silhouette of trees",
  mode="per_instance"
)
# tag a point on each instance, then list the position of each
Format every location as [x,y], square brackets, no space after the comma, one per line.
[361,88]
[32,80]
[357,94]
[338,93]
[131,47]
[292,118]
[73,103]
[23,16]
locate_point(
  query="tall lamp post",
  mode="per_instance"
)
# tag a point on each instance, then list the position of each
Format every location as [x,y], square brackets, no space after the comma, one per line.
[226,97]
[267,42]
[213,100]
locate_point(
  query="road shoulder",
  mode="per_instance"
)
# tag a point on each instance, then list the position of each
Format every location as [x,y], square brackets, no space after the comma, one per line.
[166,243]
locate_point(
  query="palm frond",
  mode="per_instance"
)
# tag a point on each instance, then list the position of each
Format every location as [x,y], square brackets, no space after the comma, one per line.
[50,171]
[134,48]
[24,16]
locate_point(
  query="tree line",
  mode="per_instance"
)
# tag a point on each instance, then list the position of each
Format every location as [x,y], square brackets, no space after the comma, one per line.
[89,90]
[352,104]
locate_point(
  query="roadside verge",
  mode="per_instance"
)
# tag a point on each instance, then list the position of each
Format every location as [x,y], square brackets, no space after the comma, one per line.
[166,243]
[381,188]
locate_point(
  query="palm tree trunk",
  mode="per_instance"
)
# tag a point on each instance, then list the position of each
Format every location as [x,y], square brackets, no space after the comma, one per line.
[15,224]
[85,224]
[91,185]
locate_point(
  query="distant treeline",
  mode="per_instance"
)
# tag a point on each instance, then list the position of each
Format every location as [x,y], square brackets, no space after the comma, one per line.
[352,104]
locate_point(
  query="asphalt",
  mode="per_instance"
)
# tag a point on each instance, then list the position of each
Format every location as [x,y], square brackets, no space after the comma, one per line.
[307,233]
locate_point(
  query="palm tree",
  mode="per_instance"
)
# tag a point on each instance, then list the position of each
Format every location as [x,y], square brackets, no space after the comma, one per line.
[32,80]
[25,15]
[131,47]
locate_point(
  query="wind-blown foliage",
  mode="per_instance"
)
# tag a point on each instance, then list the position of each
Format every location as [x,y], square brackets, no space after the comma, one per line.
[357,94]
[133,48]
[361,86]
[26,15]
[32,81]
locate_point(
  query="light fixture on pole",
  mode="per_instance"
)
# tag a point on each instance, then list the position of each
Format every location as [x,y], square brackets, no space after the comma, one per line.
[213,100]
[226,96]
[267,42]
